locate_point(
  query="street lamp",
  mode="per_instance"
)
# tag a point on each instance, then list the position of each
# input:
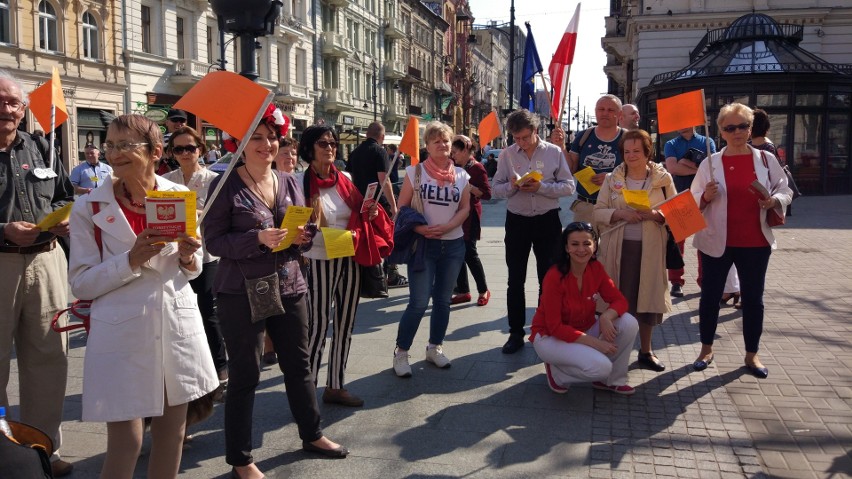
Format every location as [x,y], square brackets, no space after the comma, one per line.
[248,20]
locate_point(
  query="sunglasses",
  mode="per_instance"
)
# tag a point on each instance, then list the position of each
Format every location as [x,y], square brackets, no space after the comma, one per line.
[325,144]
[579,226]
[733,128]
[184,149]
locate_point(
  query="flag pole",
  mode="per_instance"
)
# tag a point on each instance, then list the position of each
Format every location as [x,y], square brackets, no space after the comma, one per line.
[565,84]
[52,133]
[706,131]
[236,157]
[544,84]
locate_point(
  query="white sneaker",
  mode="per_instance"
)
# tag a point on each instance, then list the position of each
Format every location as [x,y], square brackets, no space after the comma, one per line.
[401,366]
[436,356]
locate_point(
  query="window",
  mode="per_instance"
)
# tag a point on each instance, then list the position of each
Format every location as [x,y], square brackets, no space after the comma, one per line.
[47,33]
[5,22]
[90,37]
[283,64]
[301,67]
[209,44]
[146,29]
[180,38]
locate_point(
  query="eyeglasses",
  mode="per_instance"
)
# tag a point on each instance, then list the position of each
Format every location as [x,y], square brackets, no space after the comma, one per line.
[325,144]
[15,105]
[179,150]
[733,128]
[123,147]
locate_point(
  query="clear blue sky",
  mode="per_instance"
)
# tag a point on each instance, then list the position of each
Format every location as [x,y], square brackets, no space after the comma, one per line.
[548,21]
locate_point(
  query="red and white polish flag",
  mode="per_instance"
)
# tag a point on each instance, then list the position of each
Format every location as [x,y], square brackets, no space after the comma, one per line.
[560,65]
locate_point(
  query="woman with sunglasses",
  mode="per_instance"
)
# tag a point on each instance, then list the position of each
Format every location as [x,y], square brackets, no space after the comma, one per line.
[186,146]
[242,228]
[575,344]
[737,232]
[332,281]
[146,355]
[480,189]
[633,245]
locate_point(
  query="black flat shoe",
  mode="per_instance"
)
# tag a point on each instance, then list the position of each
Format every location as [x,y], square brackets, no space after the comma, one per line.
[339,452]
[513,345]
[650,361]
[760,373]
[701,365]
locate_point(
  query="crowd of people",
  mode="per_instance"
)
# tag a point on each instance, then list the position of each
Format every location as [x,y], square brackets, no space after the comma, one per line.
[178,319]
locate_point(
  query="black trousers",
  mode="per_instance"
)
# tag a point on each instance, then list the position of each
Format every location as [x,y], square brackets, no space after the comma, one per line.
[541,234]
[244,341]
[472,262]
[203,288]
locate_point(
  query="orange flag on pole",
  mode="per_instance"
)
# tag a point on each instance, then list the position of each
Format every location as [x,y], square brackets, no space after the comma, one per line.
[410,143]
[683,216]
[489,128]
[43,98]
[227,100]
[681,111]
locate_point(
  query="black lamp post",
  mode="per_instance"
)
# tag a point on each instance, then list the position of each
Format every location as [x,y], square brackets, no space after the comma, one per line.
[375,86]
[247,19]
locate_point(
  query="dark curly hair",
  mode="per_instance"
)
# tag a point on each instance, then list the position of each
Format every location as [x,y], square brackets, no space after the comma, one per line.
[561,258]
[310,136]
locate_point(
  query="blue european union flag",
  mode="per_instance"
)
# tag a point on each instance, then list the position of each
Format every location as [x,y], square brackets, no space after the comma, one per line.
[532,65]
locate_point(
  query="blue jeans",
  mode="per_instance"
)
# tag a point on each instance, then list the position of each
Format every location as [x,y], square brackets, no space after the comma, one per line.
[443,261]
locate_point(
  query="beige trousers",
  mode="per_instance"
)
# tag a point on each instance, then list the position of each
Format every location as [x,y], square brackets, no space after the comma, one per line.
[33,287]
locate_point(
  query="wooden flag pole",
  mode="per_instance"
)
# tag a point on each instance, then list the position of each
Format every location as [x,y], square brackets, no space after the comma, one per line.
[236,157]
[706,131]
[52,135]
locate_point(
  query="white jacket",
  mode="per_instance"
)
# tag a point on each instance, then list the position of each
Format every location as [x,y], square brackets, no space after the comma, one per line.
[713,239]
[146,330]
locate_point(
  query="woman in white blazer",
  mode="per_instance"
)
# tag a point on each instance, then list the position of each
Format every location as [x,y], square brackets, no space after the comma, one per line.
[146,353]
[737,232]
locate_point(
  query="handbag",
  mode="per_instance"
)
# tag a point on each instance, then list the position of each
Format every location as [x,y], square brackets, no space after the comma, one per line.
[791,182]
[373,282]
[674,259]
[774,216]
[264,296]
[27,454]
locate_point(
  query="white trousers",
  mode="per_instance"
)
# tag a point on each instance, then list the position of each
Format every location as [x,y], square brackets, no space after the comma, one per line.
[578,363]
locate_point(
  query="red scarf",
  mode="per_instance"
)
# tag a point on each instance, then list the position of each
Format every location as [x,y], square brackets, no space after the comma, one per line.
[447,175]
[345,188]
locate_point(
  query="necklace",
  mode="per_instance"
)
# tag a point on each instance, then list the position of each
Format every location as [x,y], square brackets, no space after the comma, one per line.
[266,202]
[130,198]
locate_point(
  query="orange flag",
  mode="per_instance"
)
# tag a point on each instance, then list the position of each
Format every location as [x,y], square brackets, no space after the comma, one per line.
[45,96]
[410,143]
[683,216]
[681,111]
[227,100]
[489,128]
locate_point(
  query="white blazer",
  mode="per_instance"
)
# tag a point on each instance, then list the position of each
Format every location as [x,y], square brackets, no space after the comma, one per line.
[146,331]
[713,239]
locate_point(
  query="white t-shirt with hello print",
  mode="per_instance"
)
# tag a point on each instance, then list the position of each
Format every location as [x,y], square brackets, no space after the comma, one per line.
[440,204]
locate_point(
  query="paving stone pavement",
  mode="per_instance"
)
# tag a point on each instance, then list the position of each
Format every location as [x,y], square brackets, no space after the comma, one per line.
[492,415]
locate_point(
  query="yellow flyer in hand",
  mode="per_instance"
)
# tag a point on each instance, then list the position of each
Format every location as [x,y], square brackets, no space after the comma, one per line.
[637,199]
[532,175]
[171,212]
[58,216]
[296,216]
[584,176]
[338,243]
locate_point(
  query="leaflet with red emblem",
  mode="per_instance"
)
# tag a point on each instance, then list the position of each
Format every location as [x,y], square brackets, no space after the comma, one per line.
[171,212]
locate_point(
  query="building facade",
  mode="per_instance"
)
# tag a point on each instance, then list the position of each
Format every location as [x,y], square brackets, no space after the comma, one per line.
[792,59]
[79,39]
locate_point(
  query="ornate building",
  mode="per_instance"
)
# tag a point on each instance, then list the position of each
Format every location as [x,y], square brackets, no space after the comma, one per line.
[79,38]
[793,60]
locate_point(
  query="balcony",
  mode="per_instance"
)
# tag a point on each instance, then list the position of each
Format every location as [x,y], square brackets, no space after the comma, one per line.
[335,45]
[394,70]
[395,112]
[334,99]
[291,93]
[415,110]
[189,71]
[393,28]
[290,27]
[338,3]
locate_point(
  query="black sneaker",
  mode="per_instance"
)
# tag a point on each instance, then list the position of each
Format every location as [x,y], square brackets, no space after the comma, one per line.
[677,290]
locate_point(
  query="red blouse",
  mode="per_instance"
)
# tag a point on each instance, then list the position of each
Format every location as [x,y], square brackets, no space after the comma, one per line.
[564,311]
[744,229]
[138,221]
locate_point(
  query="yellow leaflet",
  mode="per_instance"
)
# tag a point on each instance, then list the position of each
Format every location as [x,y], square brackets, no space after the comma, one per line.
[296,216]
[584,176]
[338,243]
[58,216]
[637,199]
[532,175]
[189,198]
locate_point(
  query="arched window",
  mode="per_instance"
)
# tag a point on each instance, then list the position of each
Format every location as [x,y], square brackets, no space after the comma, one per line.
[5,22]
[91,49]
[47,31]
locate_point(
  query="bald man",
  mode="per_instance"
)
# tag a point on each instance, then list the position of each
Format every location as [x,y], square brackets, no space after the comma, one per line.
[629,117]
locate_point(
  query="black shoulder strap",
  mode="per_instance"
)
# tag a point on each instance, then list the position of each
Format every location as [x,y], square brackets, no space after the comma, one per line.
[585,137]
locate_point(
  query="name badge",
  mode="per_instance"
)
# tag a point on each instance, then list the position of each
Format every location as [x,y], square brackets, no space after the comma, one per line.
[40,173]
[539,165]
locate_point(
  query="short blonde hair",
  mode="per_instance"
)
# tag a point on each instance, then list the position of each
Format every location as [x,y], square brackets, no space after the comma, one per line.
[435,129]
[735,109]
